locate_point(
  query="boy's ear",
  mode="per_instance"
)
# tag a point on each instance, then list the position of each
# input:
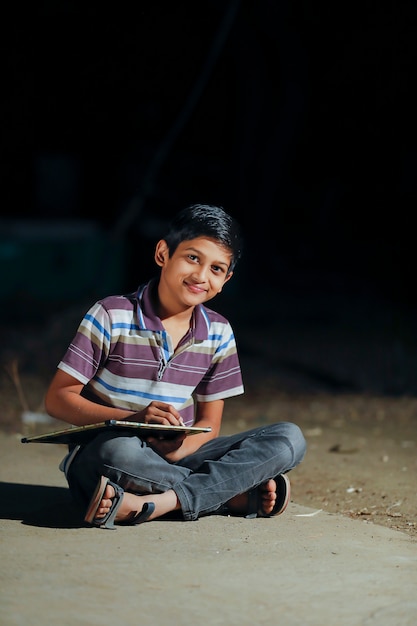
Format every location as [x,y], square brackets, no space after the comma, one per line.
[161,252]
[228,277]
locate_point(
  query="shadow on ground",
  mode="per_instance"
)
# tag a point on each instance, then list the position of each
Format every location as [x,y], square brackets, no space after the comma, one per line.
[38,505]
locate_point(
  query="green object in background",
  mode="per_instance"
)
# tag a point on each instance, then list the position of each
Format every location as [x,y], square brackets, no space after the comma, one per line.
[58,260]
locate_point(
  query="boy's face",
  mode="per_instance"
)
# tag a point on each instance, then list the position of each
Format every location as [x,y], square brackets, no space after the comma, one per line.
[195,273]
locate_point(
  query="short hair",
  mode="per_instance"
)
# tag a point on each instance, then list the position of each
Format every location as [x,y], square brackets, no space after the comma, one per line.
[206,220]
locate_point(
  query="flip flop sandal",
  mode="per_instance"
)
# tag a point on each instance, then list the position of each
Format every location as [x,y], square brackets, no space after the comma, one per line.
[108,520]
[281,503]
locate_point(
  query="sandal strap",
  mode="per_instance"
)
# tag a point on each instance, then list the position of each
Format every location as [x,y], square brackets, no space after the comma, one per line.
[138,517]
[253,503]
[108,520]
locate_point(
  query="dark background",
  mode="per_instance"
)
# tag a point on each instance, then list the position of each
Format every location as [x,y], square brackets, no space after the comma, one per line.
[298,118]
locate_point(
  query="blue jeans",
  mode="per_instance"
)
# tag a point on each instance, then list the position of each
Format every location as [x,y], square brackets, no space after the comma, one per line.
[203,481]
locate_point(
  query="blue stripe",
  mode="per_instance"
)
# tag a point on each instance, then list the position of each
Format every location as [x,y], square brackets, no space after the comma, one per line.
[205,316]
[141,394]
[95,323]
[165,348]
[128,326]
[219,336]
[225,344]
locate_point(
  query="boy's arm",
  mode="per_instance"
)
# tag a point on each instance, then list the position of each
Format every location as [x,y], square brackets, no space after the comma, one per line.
[63,400]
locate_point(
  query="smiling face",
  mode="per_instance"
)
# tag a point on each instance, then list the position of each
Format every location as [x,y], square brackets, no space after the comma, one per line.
[194,274]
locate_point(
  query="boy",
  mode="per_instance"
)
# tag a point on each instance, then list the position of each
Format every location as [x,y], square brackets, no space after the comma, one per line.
[148,357]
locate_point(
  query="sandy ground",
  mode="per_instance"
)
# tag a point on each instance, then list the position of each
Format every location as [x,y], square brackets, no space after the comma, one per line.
[305,567]
[361,457]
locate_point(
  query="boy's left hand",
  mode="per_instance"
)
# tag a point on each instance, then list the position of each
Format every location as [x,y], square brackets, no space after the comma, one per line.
[163,445]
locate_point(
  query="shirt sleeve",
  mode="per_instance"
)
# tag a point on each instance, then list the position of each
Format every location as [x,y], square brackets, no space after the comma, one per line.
[224,378]
[90,345]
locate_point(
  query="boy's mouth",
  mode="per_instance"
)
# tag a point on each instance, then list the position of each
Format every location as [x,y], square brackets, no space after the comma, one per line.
[195,288]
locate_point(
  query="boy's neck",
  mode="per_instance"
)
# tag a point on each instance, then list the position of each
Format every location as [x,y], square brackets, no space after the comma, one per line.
[165,312]
[181,317]
[177,325]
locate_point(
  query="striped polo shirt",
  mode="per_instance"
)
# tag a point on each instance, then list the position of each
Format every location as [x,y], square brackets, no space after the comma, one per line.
[125,358]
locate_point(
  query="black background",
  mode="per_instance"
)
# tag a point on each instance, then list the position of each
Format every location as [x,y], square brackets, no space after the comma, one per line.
[298,118]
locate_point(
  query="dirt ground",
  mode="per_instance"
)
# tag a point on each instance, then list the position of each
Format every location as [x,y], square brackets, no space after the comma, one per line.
[361,459]
[307,566]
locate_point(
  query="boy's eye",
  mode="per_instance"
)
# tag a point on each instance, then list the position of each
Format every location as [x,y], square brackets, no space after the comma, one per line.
[217,269]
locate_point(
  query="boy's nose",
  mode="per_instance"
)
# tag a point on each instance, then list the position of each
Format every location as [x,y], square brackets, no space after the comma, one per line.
[201,273]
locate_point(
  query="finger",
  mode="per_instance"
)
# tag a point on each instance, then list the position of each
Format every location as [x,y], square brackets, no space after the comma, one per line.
[170,413]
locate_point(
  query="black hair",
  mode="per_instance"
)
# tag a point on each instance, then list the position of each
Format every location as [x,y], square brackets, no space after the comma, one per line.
[206,220]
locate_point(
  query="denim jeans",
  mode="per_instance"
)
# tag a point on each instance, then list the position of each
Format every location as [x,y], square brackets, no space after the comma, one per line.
[203,481]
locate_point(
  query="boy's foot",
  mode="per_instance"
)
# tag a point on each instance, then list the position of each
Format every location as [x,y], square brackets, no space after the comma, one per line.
[106,502]
[127,507]
[130,504]
[270,498]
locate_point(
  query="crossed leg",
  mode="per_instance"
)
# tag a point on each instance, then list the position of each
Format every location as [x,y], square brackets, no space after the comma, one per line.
[168,502]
